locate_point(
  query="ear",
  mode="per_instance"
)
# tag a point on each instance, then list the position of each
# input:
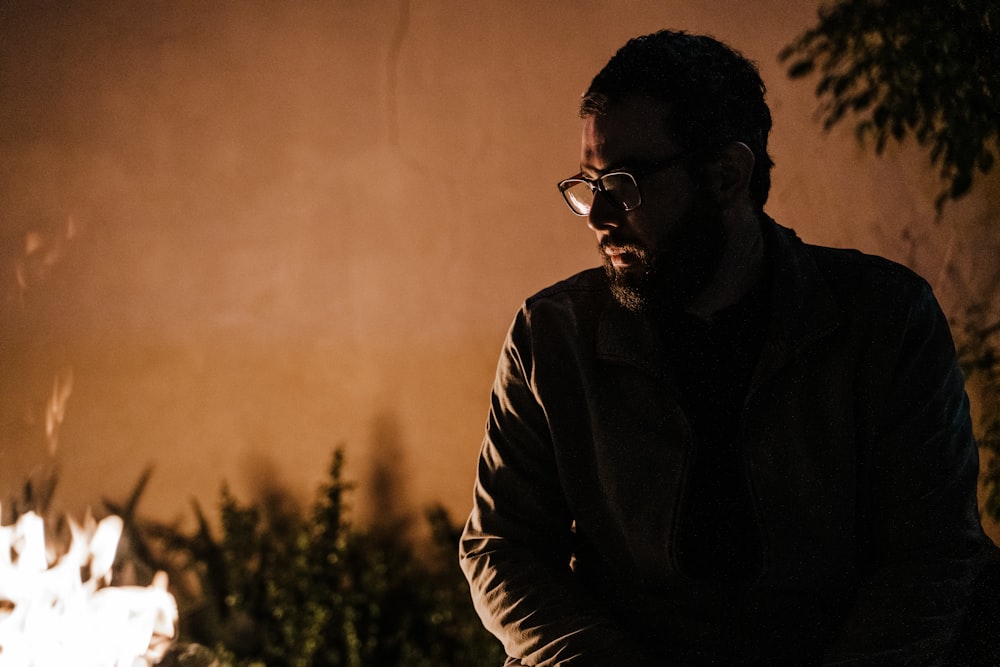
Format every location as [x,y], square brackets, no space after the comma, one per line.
[732,172]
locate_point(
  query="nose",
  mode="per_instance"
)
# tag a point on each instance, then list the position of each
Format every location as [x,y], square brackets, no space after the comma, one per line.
[603,214]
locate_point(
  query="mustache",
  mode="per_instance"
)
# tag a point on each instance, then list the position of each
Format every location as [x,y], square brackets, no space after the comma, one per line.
[620,246]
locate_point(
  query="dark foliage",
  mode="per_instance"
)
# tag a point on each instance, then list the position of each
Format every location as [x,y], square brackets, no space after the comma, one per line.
[283,588]
[980,357]
[928,69]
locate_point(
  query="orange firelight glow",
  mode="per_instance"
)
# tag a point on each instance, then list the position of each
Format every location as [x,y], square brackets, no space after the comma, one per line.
[259,231]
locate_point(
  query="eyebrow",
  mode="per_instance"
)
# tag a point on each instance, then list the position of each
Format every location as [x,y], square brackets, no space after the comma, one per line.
[618,165]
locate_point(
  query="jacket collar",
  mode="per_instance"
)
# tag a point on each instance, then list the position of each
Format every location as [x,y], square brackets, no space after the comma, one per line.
[803,310]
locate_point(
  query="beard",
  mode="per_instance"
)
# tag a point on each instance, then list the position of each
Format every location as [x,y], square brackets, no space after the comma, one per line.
[670,276]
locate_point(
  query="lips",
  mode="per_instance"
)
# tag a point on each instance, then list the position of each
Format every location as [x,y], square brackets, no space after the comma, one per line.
[622,256]
[620,259]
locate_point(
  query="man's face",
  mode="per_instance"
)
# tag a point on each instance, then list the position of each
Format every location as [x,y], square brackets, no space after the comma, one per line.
[662,254]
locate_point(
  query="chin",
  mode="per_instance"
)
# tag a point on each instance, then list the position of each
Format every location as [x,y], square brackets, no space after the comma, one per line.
[646,292]
[629,299]
[629,288]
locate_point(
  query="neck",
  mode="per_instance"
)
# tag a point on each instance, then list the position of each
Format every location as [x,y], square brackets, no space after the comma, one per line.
[739,269]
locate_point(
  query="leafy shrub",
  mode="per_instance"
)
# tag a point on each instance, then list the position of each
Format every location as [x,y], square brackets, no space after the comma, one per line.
[283,588]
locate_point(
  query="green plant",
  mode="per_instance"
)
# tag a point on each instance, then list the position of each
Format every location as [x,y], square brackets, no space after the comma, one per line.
[283,588]
[928,69]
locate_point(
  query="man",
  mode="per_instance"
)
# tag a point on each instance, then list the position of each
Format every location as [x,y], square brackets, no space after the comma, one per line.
[727,447]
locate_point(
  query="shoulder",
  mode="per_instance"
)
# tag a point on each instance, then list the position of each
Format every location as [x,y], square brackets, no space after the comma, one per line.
[856,277]
[852,277]
[845,263]
[590,283]
[562,316]
[868,294]
[581,296]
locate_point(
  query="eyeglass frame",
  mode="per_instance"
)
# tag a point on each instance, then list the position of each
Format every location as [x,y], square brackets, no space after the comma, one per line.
[597,184]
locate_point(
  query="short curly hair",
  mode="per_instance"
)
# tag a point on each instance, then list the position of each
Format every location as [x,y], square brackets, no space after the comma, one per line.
[715,94]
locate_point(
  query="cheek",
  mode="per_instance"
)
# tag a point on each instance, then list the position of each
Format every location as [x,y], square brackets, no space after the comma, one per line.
[655,227]
[651,233]
[662,215]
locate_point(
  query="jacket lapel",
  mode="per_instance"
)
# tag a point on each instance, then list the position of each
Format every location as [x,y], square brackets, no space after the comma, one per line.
[803,308]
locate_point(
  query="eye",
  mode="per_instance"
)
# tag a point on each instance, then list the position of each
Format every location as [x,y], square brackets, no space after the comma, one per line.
[618,182]
[579,195]
[621,188]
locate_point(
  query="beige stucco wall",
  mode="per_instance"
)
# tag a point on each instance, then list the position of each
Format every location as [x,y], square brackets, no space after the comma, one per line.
[261,230]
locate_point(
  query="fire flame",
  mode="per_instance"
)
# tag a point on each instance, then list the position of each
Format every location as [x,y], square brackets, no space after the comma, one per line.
[61,610]
[55,410]
[43,249]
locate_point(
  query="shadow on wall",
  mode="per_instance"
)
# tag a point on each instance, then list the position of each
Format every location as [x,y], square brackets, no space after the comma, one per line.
[382,490]
[386,488]
[262,472]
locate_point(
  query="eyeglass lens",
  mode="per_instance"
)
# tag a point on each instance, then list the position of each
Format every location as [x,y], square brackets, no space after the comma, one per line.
[620,188]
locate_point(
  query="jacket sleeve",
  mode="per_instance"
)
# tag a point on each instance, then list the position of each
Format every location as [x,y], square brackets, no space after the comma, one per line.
[517,544]
[919,517]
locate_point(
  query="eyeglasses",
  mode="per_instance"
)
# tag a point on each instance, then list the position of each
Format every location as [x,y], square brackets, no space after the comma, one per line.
[620,187]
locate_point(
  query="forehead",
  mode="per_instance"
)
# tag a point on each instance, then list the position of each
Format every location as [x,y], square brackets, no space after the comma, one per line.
[632,129]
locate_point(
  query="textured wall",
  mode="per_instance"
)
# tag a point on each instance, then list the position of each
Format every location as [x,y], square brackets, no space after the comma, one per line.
[256,231]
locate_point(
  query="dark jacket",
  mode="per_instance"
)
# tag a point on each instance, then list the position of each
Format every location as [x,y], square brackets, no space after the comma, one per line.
[857,448]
